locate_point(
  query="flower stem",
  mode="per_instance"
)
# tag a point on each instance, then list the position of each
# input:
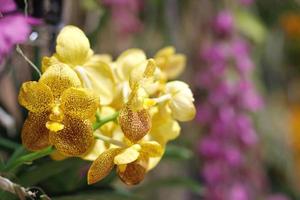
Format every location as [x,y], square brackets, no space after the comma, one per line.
[29,158]
[110,140]
[103,121]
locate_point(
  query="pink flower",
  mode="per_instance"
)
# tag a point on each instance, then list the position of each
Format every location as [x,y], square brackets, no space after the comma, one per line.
[223,23]
[15,28]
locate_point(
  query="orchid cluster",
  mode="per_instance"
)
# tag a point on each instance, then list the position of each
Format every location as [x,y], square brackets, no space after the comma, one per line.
[231,169]
[119,112]
[15,27]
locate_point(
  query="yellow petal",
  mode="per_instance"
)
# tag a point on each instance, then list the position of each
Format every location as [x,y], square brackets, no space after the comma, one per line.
[134,124]
[95,59]
[72,46]
[75,138]
[170,63]
[49,61]
[35,135]
[133,174]
[127,61]
[102,166]
[151,148]
[36,97]
[99,77]
[60,77]
[146,75]
[153,162]
[182,102]
[128,155]
[54,126]
[80,102]
[97,149]
[164,127]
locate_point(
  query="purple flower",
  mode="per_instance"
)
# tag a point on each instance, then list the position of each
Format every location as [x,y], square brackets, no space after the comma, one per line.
[230,141]
[233,156]
[223,23]
[250,100]
[210,147]
[125,15]
[15,28]
[239,192]
[7,6]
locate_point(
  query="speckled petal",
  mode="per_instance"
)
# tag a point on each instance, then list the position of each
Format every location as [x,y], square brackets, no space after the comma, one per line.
[133,174]
[134,124]
[35,135]
[80,102]
[36,97]
[75,138]
[60,77]
[49,61]
[102,166]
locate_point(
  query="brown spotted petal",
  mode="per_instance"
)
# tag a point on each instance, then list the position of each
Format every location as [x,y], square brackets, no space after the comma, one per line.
[58,78]
[80,102]
[75,138]
[102,166]
[134,124]
[35,135]
[36,97]
[133,174]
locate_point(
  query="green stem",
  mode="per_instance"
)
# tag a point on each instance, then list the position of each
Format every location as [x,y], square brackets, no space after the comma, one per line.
[104,120]
[29,158]
[8,144]
[110,140]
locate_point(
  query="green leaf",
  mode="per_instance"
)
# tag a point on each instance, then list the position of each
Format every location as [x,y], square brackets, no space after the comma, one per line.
[182,182]
[37,174]
[177,152]
[250,25]
[8,143]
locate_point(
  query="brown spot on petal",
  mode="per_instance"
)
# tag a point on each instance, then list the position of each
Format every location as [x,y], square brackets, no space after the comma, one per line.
[133,174]
[35,135]
[75,138]
[102,166]
[134,124]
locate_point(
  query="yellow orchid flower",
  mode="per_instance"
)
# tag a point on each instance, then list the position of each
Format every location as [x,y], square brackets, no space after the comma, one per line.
[181,100]
[131,161]
[94,71]
[134,118]
[170,63]
[164,127]
[60,112]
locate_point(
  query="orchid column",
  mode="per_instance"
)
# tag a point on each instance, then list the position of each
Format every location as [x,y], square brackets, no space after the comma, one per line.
[231,168]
